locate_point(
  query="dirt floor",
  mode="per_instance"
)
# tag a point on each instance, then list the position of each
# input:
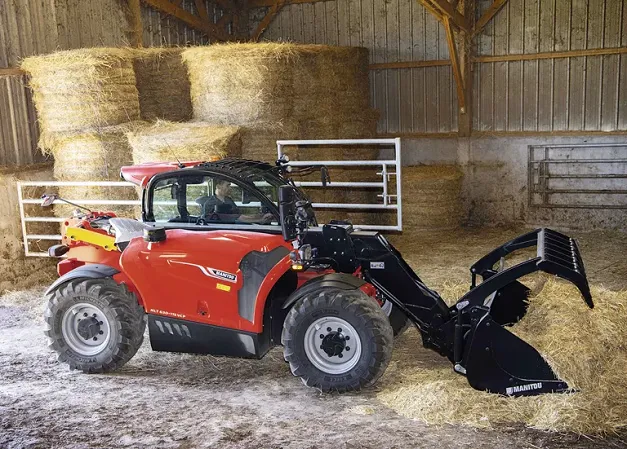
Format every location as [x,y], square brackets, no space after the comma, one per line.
[185,401]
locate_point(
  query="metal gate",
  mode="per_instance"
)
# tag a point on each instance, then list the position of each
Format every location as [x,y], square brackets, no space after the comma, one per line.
[390,199]
[581,176]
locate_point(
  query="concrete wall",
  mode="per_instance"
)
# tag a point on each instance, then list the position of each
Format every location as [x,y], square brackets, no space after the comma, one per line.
[495,187]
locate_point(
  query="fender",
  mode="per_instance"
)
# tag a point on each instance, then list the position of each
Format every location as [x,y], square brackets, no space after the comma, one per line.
[91,271]
[333,280]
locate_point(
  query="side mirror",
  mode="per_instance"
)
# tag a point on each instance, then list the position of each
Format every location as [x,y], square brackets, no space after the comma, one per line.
[48,199]
[287,212]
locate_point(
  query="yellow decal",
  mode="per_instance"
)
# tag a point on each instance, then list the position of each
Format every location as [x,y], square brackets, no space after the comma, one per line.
[226,288]
[95,238]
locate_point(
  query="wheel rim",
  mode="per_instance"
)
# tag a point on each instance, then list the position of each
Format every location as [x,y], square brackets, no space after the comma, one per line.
[86,329]
[332,345]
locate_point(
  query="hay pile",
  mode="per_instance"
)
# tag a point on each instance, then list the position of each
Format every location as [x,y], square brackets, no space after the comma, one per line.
[82,89]
[281,91]
[431,197]
[587,348]
[17,270]
[94,155]
[194,141]
[162,83]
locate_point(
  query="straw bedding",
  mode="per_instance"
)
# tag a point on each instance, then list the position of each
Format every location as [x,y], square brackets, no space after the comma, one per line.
[17,270]
[587,348]
[84,88]
[162,83]
[194,141]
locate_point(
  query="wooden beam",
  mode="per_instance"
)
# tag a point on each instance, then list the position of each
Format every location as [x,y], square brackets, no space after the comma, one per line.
[409,64]
[137,30]
[188,18]
[267,20]
[487,16]
[464,43]
[552,55]
[266,3]
[447,10]
[426,5]
[202,9]
[11,71]
[457,72]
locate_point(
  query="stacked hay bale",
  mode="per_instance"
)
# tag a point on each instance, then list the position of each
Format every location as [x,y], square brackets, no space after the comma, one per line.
[93,155]
[431,197]
[162,84]
[287,91]
[194,141]
[17,270]
[83,89]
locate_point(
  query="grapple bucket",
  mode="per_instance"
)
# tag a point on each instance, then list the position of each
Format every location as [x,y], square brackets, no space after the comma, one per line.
[493,358]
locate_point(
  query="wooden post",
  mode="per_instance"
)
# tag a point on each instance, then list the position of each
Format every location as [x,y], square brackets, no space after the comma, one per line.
[137,31]
[465,117]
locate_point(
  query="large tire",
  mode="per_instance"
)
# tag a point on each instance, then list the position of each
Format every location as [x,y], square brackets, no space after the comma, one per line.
[108,311]
[325,318]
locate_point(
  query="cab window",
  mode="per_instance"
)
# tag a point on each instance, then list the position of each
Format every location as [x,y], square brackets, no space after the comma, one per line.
[210,199]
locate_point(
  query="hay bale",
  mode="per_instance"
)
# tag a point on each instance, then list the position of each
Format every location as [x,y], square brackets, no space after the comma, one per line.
[17,270]
[585,347]
[281,86]
[196,141]
[432,197]
[84,88]
[162,83]
[96,155]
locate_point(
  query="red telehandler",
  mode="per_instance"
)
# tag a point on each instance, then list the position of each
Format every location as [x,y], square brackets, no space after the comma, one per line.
[228,260]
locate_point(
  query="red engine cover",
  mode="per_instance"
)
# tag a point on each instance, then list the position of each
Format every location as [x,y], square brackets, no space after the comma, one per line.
[196,276]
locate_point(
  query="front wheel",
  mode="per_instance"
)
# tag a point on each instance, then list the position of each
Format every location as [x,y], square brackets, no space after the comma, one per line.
[337,340]
[94,325]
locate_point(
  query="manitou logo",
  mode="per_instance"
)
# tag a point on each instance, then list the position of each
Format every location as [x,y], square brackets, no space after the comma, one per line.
[211,272]
[521,388]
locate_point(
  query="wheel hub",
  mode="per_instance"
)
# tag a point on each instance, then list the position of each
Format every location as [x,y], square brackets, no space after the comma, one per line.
[88,328]
[332,345]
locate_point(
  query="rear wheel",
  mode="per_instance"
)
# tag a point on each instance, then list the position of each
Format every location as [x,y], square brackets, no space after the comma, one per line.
[94,325]
[337,340]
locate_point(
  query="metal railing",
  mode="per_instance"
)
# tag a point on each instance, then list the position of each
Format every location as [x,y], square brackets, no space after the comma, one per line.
[24,218]
[389,201]
[579,176]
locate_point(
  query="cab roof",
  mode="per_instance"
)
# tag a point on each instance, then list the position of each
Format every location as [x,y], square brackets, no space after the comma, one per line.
[244,169]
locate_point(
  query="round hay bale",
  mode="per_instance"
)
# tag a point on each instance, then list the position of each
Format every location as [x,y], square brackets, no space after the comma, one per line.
[84,88]
[196,141]
[431,197]
[320,90]
[162,83]
[93,156]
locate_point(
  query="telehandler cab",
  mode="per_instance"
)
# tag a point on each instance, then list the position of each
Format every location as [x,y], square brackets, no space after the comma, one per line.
[228,260]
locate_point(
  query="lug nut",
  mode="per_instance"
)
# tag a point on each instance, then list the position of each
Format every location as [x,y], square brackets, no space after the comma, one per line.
[94,315]
[348,348]
[100,323]
[340,355]
[100,333]
[321,336]
[85,314]
[347,338]
[339,329]
[329,329]
[95,338]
